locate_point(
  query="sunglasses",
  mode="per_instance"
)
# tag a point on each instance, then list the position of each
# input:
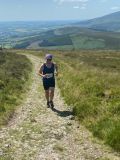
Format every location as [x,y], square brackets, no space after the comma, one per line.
[49,59]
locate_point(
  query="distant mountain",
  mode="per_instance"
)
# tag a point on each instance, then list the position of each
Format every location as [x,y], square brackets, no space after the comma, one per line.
[109,22]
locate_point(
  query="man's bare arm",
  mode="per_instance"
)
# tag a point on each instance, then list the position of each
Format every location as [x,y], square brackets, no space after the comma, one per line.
[40,73]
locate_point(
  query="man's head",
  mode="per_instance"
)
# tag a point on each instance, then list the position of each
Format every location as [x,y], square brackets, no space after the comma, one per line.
[48,57]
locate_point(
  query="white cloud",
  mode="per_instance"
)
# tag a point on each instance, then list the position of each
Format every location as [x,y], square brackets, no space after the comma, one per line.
[115,8]
[76,7]
[77,4]
[72,1]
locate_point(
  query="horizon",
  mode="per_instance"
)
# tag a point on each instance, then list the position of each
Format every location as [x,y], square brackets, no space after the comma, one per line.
[56,20]
[43,20]
[55,10]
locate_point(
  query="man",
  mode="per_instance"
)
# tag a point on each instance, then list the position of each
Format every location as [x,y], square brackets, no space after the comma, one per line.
[47,72]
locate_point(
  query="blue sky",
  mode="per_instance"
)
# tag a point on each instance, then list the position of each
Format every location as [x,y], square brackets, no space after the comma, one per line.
[22,10]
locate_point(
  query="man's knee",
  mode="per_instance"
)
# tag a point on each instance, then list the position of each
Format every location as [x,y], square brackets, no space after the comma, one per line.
[52,90]
[46,92]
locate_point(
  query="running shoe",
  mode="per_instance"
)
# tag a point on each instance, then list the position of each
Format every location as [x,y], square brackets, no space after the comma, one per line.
[48,104]
[51,104]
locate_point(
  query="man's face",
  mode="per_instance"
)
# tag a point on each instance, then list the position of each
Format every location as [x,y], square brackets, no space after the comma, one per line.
[49,60]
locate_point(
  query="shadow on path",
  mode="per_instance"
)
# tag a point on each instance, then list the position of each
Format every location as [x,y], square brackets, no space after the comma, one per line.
[62,113]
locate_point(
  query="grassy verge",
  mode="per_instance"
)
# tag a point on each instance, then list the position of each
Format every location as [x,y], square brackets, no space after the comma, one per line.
[14,74]
[90,83]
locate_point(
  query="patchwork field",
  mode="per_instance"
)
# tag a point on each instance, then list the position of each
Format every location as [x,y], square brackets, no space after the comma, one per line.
[73,38]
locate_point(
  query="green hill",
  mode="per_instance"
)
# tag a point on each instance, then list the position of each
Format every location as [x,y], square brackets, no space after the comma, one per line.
[109,22]
[72,38]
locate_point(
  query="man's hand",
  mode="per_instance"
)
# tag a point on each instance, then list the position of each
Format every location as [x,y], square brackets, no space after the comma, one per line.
[44,76]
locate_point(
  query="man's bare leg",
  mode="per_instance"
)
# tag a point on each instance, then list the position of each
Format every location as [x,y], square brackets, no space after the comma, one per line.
[47,96]
[51,95]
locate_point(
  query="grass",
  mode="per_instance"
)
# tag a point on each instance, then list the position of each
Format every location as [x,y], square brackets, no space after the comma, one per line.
[93,91]
[90,83]
[14,75]
[58,147]
[85,42]
[64,47]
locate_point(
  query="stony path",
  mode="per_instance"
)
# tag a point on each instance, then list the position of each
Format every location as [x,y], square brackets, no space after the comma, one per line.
[39,133]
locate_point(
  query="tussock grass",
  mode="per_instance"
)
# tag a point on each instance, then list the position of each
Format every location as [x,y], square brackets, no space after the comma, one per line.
[58,147]
[14,75]
[92,87]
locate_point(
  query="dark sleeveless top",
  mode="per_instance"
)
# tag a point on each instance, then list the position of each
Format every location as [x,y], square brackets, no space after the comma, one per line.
[47,70]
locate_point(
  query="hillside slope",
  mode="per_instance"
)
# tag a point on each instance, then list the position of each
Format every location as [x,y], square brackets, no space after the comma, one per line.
[73,38]
[109,22]
[37,132]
